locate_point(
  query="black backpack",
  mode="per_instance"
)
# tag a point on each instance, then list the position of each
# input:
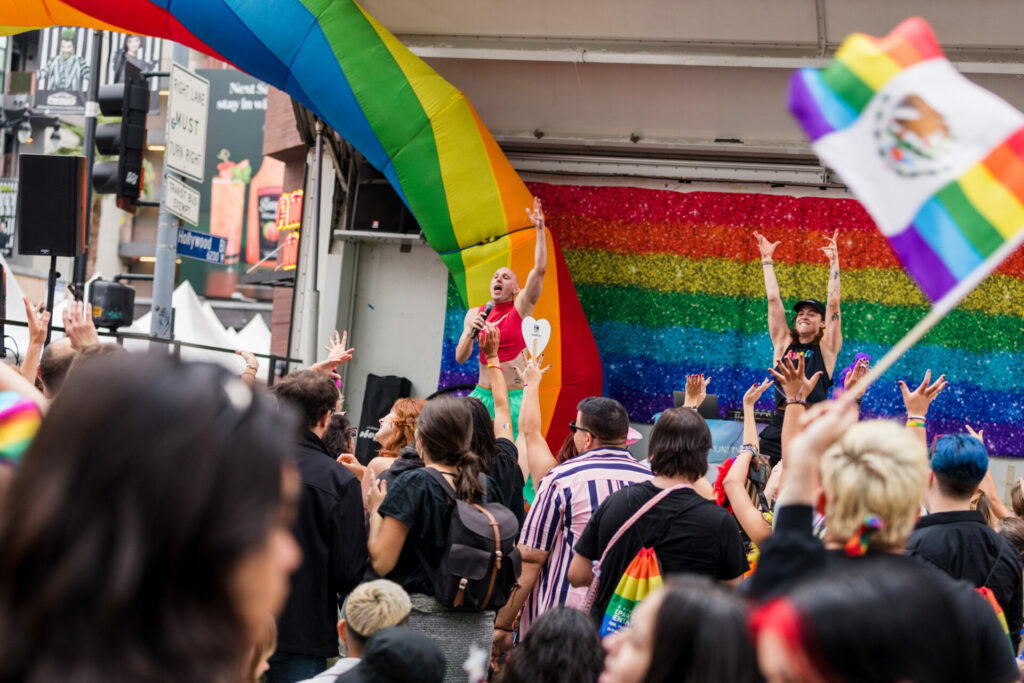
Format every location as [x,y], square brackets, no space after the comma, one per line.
[481,563]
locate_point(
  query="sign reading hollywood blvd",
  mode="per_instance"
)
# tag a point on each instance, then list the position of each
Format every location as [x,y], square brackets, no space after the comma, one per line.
[202,246]
[187,106]
[181,200]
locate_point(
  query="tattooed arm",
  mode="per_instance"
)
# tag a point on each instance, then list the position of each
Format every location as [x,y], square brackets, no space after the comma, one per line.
[832,342]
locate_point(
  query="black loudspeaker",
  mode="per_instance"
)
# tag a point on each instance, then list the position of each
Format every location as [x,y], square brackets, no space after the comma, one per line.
[113,304]
[377,207]
[381,393]
[51,205]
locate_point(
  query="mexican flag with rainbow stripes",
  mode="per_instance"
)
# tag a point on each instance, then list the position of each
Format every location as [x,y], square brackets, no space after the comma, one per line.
[937,160]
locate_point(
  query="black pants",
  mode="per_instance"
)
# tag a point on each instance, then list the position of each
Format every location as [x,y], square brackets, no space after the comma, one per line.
[771,439]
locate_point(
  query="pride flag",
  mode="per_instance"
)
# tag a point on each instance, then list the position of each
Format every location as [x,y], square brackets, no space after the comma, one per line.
[937,160]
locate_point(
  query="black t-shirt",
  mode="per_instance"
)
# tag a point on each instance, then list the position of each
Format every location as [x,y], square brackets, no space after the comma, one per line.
[813,362]
[508,476]
[688,533]
[793,553]
[416,500]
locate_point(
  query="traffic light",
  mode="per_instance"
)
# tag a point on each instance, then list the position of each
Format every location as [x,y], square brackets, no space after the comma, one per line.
[126,140]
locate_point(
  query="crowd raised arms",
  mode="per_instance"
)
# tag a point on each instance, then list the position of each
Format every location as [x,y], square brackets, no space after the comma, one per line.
[166,521]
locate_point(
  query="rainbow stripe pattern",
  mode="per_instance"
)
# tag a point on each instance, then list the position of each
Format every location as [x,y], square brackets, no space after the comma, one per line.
[641,578]
[19,422]
[938,161]
[671,284]
[411,124]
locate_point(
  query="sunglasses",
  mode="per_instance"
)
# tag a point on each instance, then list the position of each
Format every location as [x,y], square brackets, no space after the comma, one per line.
[573,427]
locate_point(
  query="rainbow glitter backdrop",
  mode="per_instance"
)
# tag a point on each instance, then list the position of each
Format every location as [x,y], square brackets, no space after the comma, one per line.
[671,284]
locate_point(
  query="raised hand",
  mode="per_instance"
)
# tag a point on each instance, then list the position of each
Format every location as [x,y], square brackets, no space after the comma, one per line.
[696,390]
[979,435]
[856,375]
[537,215]
[38,319]
[533,371]
[337,353]
[78,325]
[490,341]
[821,426]
[831,250]
[791,379]
[917,401]
[767,248]
[755,391]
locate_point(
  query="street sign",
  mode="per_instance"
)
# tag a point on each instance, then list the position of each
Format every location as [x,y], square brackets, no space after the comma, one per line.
[181,200]
[202,246]
[187,106]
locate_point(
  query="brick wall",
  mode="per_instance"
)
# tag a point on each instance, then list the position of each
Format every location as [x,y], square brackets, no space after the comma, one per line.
[280,137]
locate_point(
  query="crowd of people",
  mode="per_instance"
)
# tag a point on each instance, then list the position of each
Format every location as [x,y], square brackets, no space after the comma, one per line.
[167,521]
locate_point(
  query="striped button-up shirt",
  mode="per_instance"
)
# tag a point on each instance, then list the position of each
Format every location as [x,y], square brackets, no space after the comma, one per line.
[568,495]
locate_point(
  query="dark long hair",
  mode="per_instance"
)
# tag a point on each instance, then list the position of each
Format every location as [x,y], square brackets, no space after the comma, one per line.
[701,634]
[562,645]
[147,484]
[483,442]
[870,622]
[444,430]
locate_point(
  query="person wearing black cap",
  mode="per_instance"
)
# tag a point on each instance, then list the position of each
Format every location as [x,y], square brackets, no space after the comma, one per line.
[816,335]
[398,655]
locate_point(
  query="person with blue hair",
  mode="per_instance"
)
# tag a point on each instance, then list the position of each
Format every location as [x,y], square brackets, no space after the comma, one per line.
[956,538]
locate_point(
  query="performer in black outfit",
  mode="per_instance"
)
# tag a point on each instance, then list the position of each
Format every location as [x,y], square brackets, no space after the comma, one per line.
[816,335]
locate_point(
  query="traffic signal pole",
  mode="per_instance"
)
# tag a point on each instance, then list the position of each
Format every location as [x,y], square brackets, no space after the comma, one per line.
[161,322]
[92,110]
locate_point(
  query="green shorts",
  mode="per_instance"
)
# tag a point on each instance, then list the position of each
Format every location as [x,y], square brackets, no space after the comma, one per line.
[515,401]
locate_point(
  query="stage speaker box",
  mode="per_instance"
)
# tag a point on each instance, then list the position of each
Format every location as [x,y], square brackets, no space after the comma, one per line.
[377,207]
[113,304]
[381,393]
[51,205]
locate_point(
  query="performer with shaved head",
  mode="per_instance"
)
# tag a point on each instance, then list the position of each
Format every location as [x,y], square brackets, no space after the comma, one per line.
[511,303]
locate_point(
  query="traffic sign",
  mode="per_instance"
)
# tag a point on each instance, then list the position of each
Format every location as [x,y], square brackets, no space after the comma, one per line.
[187,106]
[202,246]
[181,200]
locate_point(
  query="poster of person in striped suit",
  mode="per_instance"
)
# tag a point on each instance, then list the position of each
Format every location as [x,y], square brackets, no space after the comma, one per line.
[62,82]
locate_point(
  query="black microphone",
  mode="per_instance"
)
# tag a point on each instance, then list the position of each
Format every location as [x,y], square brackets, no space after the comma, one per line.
[486,312]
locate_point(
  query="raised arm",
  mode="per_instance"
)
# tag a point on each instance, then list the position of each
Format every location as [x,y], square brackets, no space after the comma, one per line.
[778,328]
[988,484]
[539,459]
[822,426]
[527,299]
[832,341]
[917,402]
[38,320]
[502,407]
[743,508]
[251,367]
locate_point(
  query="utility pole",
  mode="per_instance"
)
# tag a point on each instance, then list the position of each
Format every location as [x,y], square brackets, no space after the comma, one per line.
[92,110]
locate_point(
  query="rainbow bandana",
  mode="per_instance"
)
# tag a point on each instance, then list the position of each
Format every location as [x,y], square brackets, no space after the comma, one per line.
[937,160]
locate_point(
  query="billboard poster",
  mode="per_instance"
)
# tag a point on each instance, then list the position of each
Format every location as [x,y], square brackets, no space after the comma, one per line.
[241,188]
[8,203]
[62,80]
[142,51]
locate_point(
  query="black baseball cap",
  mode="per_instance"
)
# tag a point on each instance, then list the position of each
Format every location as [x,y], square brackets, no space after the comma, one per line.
[813,303]
[396,655]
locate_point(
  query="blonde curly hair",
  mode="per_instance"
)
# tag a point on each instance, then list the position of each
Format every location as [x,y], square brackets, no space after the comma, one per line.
[877,468]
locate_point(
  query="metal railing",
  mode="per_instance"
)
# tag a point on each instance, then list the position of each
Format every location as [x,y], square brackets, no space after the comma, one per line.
[177,345]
